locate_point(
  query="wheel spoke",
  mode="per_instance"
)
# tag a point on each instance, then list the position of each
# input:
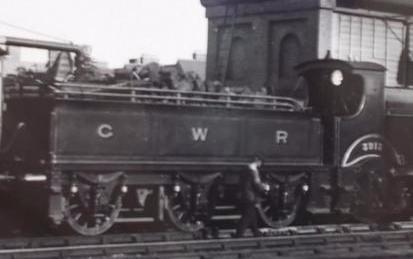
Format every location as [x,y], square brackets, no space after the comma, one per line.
[74,206]
[87,222]
[77,217]
[272,215]
[180,214]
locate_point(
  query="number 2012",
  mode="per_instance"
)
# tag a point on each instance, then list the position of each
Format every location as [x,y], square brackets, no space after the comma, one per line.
[372,146]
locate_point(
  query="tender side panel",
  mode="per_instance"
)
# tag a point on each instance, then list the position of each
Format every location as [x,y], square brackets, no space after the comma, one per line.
[142,135]
[283,138]
[198,135]
[93,132]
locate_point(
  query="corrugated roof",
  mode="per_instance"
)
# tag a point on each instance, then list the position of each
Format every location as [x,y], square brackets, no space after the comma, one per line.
[395,6]
[404,7]
[406,3]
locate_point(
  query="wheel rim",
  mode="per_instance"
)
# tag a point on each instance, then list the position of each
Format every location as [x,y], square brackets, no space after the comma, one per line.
[180,214]
[90,221]
[273,217]
[368,203]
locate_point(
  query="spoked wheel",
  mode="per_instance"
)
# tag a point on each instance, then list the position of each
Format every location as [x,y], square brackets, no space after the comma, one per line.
[285,200]
[91,210]
[370,196]
[180,212]
[275,214]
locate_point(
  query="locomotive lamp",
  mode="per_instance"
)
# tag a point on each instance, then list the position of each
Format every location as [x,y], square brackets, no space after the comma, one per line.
[305,187]
[337,77]
[266,187]
[74,189]
[177,188]
[124,189]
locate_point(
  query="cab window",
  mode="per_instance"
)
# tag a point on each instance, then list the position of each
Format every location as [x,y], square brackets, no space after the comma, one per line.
[335,92]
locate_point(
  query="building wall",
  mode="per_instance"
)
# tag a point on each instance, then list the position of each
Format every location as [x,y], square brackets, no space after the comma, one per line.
[260,45]
[12,61]
[290,42]
[377,31]
[269,37]
[370,38]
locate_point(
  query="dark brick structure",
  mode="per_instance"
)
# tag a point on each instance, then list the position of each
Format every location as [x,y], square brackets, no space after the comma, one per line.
[257,43]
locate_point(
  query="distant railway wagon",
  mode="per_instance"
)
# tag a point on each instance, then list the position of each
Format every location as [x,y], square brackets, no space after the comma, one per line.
[89,155]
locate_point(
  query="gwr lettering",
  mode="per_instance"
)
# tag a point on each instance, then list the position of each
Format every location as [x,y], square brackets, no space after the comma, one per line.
[199,134]
[105,131]
[281,137]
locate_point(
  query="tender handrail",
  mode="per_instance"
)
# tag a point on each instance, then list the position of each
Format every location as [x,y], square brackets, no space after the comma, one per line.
[123,92]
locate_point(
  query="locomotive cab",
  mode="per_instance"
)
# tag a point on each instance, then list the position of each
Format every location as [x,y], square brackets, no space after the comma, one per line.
[348,96]
[333,89]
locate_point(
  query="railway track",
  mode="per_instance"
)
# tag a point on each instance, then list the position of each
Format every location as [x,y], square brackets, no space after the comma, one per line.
[324,241]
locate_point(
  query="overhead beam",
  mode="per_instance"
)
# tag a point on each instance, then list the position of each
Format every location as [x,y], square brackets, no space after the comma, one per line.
[50,45]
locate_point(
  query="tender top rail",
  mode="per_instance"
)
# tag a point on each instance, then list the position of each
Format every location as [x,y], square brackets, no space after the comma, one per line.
[124,93]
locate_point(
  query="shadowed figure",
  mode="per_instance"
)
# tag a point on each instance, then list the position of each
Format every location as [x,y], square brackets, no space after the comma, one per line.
[251,188]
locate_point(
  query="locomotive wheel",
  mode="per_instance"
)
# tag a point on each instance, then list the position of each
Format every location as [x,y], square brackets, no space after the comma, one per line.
[273,216]
[180,214]
[369,204]
[86,217]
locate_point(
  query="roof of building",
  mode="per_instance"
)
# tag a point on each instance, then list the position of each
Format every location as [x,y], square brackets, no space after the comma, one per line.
[394,6]
[407,3]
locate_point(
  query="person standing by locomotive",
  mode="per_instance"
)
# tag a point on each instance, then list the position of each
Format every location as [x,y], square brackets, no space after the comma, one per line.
[251,188]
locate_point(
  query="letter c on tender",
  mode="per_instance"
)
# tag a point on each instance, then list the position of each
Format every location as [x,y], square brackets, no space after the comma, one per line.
[105,131]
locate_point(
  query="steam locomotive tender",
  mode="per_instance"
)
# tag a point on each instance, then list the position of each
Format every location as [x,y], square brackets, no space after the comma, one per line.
[92,155]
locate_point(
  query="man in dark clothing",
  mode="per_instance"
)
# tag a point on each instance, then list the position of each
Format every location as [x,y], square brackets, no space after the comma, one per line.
[251,188]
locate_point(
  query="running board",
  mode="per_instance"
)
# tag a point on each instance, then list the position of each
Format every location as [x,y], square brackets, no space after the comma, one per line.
[135,220]
[226,217]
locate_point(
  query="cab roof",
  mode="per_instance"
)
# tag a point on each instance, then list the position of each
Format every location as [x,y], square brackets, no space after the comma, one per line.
[338,64]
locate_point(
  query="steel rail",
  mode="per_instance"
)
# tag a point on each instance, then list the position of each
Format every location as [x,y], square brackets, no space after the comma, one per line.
[309,244]
[348,238]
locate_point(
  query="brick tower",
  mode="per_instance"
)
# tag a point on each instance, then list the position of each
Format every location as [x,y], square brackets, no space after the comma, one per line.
[257,43]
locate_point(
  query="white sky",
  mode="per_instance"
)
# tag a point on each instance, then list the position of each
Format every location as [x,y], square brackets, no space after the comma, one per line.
[116,30]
